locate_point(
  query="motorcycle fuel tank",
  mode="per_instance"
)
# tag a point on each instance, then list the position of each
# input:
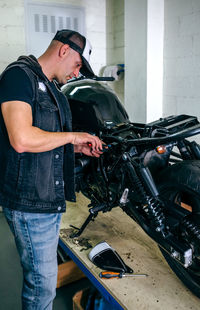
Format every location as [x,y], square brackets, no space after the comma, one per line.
[94,105]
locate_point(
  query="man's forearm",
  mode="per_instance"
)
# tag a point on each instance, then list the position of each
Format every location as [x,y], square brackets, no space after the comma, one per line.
[36,140]
[24,137]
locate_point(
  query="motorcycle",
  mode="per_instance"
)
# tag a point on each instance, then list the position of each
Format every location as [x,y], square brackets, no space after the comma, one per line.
[151,171]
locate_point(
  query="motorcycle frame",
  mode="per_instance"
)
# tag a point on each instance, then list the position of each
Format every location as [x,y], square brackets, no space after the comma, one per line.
[171,131]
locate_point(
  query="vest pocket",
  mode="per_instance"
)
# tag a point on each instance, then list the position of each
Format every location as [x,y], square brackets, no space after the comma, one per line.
[20,175]
[47,116]
[26,176]
[11,172]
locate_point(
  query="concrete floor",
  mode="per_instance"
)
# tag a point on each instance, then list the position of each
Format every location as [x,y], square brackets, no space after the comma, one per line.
[11,276]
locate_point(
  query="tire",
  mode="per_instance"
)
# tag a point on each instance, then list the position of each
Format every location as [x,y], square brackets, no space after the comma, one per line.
[180,183]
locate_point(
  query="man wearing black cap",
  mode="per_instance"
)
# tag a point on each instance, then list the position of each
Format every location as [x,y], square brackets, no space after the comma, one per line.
[37,157]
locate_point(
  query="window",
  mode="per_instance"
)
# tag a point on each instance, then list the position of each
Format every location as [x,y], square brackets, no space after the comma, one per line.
[43,20]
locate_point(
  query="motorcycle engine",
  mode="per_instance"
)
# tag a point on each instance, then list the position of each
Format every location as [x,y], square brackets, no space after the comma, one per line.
[95,179]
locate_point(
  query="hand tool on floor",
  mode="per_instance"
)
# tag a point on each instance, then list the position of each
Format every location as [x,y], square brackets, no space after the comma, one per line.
[111,275]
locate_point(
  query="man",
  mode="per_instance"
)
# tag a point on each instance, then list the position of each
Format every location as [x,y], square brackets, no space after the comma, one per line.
[37,157]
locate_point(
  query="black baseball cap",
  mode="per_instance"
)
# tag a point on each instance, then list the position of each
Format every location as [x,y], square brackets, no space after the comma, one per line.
[80,44]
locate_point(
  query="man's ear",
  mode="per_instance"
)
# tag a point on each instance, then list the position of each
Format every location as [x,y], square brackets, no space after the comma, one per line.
[64,50]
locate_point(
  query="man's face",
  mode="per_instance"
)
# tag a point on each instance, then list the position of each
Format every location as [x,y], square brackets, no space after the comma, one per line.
[69,67]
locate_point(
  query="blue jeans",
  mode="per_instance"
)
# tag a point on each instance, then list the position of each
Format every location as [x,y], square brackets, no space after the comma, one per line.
[36,236]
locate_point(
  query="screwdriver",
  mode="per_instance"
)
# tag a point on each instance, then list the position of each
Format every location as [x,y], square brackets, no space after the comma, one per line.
[105,147]
[111,275]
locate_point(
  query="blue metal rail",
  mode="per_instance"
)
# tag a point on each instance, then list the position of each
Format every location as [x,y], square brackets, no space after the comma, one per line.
[92,278]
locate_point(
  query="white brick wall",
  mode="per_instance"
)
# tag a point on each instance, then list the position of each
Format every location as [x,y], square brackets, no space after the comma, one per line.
[182,57]
[12,29]
[12,35]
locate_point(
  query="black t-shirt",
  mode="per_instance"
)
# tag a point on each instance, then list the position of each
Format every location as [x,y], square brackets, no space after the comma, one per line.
[16,85]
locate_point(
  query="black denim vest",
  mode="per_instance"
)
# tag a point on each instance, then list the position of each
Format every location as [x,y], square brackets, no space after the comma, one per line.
[38,182]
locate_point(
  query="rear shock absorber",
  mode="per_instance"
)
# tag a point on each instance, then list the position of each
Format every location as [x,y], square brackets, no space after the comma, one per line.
[191,228]
[136,183]
[154,205]
[156,214]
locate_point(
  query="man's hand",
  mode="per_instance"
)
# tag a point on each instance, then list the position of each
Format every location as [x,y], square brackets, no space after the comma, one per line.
[89,144]
[87,150]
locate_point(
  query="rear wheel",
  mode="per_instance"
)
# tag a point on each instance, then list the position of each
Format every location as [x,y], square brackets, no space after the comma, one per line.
[180,183]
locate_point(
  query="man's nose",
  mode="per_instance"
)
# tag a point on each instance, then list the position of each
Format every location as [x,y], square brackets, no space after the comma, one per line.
[76,72]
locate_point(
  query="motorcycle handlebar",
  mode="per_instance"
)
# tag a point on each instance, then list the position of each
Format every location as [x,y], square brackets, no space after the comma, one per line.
[94,78]
[102,78]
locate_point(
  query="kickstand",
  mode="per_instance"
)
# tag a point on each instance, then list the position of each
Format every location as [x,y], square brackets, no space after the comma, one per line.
[90,218]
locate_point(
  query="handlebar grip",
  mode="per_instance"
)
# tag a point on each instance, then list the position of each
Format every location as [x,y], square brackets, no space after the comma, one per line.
[102,78]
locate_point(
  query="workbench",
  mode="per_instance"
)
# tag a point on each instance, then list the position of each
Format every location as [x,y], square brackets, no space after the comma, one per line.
[160,290]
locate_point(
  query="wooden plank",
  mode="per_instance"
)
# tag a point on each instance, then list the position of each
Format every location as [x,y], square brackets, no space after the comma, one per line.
[160,290]
[68,272]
